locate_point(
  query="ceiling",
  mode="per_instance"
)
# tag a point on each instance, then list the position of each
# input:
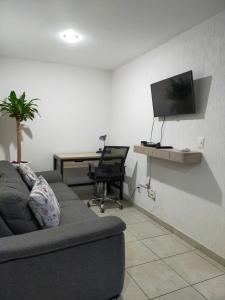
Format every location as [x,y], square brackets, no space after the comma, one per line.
[114,31]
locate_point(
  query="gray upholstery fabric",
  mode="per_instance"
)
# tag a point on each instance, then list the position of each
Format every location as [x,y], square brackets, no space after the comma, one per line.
[7,168]
[14,195]
[82,259]
[57,238]
[4,229]
[89,271]
[63,192]
[16,213]
[75,212]
[50,176]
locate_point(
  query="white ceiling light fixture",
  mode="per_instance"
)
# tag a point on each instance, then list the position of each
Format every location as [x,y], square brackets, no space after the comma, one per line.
[70,36]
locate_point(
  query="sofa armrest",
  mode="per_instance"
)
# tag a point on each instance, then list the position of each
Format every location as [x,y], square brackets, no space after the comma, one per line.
[58,238]
[50,176]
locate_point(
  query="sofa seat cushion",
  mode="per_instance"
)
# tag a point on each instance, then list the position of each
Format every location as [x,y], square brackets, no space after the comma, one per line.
[63,192]
[76,212]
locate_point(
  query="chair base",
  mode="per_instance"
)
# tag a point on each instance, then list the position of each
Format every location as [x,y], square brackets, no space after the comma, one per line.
[100,200]
[101,203]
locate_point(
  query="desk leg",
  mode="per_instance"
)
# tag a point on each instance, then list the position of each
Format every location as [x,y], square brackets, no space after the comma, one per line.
[121,190]
[54,163]
[61,167]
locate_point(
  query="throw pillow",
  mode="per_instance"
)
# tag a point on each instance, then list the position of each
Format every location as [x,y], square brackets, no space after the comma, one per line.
[44,204]
[27,174]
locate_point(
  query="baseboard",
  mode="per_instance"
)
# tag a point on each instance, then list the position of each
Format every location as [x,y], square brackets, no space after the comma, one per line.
[182,235]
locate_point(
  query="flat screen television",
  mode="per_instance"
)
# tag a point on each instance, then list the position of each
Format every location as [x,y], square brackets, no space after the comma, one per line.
[174,95]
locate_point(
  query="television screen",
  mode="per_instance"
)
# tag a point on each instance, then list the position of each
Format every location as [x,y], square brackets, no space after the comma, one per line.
[173,96]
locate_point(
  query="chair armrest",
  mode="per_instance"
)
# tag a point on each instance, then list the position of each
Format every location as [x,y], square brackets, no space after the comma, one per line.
[58,238]
[50,176]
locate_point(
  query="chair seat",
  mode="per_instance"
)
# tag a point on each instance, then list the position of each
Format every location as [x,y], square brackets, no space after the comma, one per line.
[101,175]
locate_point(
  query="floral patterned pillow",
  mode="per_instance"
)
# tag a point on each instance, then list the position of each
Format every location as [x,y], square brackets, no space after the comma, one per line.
[44,204]
[27,174]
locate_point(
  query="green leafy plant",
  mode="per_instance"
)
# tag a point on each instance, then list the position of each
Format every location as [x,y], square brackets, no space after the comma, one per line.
[20,109]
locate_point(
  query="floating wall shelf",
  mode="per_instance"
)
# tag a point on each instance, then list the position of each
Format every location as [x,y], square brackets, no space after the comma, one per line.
[192,157]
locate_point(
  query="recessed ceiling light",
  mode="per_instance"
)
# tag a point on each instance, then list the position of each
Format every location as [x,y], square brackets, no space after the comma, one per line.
[70,36]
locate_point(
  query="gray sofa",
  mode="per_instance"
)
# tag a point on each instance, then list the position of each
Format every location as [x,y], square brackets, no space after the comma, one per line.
[81,259]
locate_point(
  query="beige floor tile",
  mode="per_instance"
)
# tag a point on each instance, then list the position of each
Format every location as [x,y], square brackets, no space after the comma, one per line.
[192,267]
[131,291]
[137,253]
[129,215]
[215,263]
[145,230]
[213,289]
[167,245]
[185,294]
[129,237]
[156,278]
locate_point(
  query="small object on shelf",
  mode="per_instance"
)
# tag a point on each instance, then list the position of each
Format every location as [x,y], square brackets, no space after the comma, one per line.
[150,144]
[103,139]
[185,150]
[99,150]
[164,147]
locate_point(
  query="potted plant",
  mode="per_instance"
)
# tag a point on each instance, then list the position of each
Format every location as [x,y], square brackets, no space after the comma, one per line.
[22,110]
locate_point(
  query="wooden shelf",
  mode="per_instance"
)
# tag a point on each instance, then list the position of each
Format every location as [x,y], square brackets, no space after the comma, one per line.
[192,157]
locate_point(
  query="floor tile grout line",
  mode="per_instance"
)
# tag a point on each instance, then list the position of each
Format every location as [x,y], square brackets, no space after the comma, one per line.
[160,295]
[199,292]
[145,238]
[169,255]
[210,261]
[162,259]
[150,249]
[186,287]
[186,279]
[141,264]
[193,284]
[138,286]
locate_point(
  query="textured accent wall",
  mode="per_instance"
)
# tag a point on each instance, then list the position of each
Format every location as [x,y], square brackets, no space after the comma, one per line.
[191,198]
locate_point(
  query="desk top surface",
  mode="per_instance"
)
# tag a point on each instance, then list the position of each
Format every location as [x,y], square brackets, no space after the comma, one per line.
[78,155]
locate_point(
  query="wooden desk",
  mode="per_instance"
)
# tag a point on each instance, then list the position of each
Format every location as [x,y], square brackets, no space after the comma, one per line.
[73,157]
[79,158]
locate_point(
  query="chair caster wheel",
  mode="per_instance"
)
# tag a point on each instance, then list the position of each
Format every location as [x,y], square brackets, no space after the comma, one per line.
[102,209]
[88,204]
[120,206]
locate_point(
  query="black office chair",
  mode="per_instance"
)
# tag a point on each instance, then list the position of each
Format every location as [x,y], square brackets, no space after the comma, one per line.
[110,171]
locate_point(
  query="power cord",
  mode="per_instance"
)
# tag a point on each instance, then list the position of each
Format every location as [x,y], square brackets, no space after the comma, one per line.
[161,137]
[148,185]
[136,188]
[153,123]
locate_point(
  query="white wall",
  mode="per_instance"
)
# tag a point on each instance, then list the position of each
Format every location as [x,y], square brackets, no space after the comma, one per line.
[73,108]
[190,198]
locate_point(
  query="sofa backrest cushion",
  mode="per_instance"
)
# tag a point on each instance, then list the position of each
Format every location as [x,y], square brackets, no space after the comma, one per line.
[14,196]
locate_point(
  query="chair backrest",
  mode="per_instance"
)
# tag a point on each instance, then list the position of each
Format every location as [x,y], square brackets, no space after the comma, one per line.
[114,155]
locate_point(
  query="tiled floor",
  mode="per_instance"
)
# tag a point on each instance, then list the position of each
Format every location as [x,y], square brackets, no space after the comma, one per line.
[161,266]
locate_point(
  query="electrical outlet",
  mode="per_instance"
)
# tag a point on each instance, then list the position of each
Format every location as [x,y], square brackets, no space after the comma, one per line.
[152,194]
[201,142]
